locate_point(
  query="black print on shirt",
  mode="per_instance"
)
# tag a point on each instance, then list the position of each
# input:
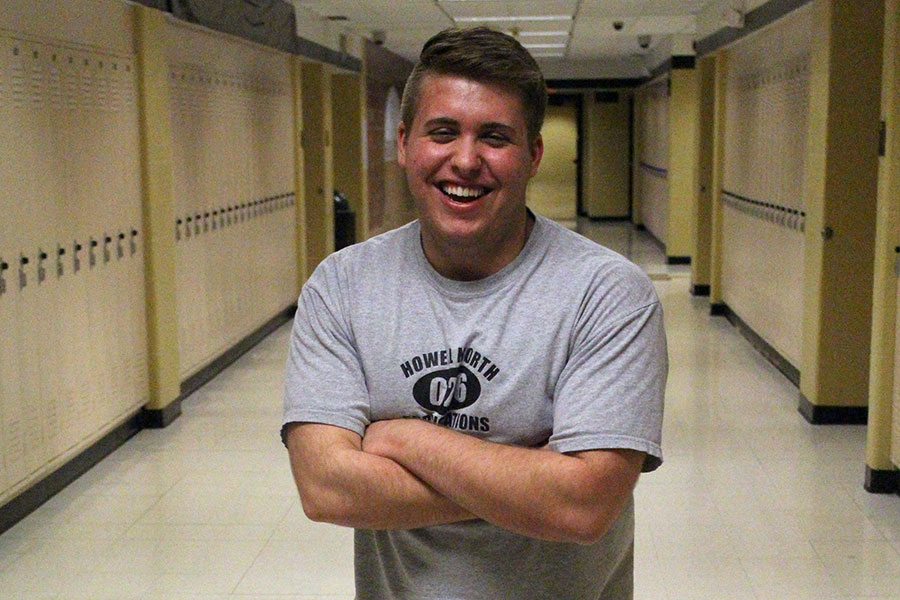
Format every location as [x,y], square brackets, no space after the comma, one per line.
[446,390]
[459,385]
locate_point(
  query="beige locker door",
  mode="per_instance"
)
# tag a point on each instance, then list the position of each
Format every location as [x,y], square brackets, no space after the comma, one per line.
[75,362]
[11,436]
[35,195]
[552,192]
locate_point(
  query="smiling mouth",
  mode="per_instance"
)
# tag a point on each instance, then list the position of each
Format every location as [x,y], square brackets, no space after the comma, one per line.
[461,193]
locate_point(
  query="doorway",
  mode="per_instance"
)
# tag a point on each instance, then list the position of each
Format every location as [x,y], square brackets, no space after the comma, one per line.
[555,191]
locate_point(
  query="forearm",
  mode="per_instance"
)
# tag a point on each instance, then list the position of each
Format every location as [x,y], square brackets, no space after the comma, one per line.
[340,484]
[537,493]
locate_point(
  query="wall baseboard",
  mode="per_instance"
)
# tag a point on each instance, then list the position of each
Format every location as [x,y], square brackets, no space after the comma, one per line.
[700,289]
[204,375]
[832,415]
[30,499]
[882,481]
[678,260]
[762,346]
[621,219]
[158,418]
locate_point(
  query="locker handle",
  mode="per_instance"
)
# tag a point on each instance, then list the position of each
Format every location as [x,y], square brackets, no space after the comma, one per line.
[134,232]
[77,247]
[4,266]
[93,243]
[107,239]
[42,255]
[61,251]
[121,236]
[24,260]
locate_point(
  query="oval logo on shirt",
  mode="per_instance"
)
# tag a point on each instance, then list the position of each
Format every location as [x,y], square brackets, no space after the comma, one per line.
[450,389]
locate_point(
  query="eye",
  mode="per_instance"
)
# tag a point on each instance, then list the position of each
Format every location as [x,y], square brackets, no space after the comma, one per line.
[442,135]
[495,139]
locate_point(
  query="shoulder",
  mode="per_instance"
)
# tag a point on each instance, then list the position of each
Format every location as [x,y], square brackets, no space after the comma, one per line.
[601,274]
[375,258]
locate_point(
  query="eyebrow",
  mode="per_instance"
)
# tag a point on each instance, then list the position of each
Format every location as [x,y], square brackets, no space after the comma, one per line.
[446,121]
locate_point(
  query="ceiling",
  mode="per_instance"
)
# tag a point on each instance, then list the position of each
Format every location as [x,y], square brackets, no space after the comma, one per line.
[570,38]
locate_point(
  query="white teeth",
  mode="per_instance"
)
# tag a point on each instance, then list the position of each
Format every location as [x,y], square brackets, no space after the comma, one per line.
[462,192]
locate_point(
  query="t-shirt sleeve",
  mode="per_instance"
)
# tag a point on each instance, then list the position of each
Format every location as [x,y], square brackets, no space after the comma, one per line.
[324,381]
[610,393]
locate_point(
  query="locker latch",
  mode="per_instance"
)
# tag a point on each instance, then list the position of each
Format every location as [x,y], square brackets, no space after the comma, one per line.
[133,241]
[60,252]
[92,257]
[897,261]
[120,250]
[106,253]
[76,261]
[3,268]
[23,279]
[41,271]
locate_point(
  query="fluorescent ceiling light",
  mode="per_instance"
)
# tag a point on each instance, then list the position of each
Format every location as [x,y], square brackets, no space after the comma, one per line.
[519,18]
[547,54]
[540,33]
[530,46]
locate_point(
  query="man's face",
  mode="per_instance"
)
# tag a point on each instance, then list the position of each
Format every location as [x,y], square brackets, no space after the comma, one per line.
[468,159]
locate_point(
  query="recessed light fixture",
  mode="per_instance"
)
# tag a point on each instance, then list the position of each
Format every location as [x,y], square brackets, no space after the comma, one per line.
[507,19]
[547,54]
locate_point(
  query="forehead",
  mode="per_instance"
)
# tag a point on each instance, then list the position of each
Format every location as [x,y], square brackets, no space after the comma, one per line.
[459,98]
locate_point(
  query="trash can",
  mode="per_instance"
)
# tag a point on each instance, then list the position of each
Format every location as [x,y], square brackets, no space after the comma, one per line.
[344,222]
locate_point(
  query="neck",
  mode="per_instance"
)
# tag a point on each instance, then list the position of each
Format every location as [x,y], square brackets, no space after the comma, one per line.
[471,260]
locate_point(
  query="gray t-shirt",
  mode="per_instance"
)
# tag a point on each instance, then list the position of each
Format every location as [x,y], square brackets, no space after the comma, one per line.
[565,344]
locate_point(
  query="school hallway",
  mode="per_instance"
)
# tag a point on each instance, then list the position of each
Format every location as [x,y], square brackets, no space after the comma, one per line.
[752,502]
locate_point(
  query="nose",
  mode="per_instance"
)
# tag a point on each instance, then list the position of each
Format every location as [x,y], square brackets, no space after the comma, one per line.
[466,159]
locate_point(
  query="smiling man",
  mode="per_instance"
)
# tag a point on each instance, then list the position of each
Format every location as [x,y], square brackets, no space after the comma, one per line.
[477,392]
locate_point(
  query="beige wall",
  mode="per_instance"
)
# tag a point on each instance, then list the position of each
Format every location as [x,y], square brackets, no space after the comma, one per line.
[653,160]
[552,192]
[606,168]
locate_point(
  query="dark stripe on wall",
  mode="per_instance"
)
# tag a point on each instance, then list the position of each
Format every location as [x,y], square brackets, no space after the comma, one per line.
[679,61]
[272,24]
[29,500]
[684,62]
[762,346]
[593,84]
[656,171]
[832,415]
[754,20]
[882,481]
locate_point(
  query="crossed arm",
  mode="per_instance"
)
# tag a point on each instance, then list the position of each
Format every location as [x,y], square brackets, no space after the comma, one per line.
[409,473]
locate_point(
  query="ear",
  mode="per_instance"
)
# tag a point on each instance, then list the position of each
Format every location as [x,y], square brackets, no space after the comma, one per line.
[401,144]
[537,151]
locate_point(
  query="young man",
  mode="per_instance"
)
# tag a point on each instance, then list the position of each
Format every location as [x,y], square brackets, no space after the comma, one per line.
[477,392]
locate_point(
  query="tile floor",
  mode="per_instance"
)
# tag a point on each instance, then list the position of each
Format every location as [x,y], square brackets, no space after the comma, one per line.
[751,503]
